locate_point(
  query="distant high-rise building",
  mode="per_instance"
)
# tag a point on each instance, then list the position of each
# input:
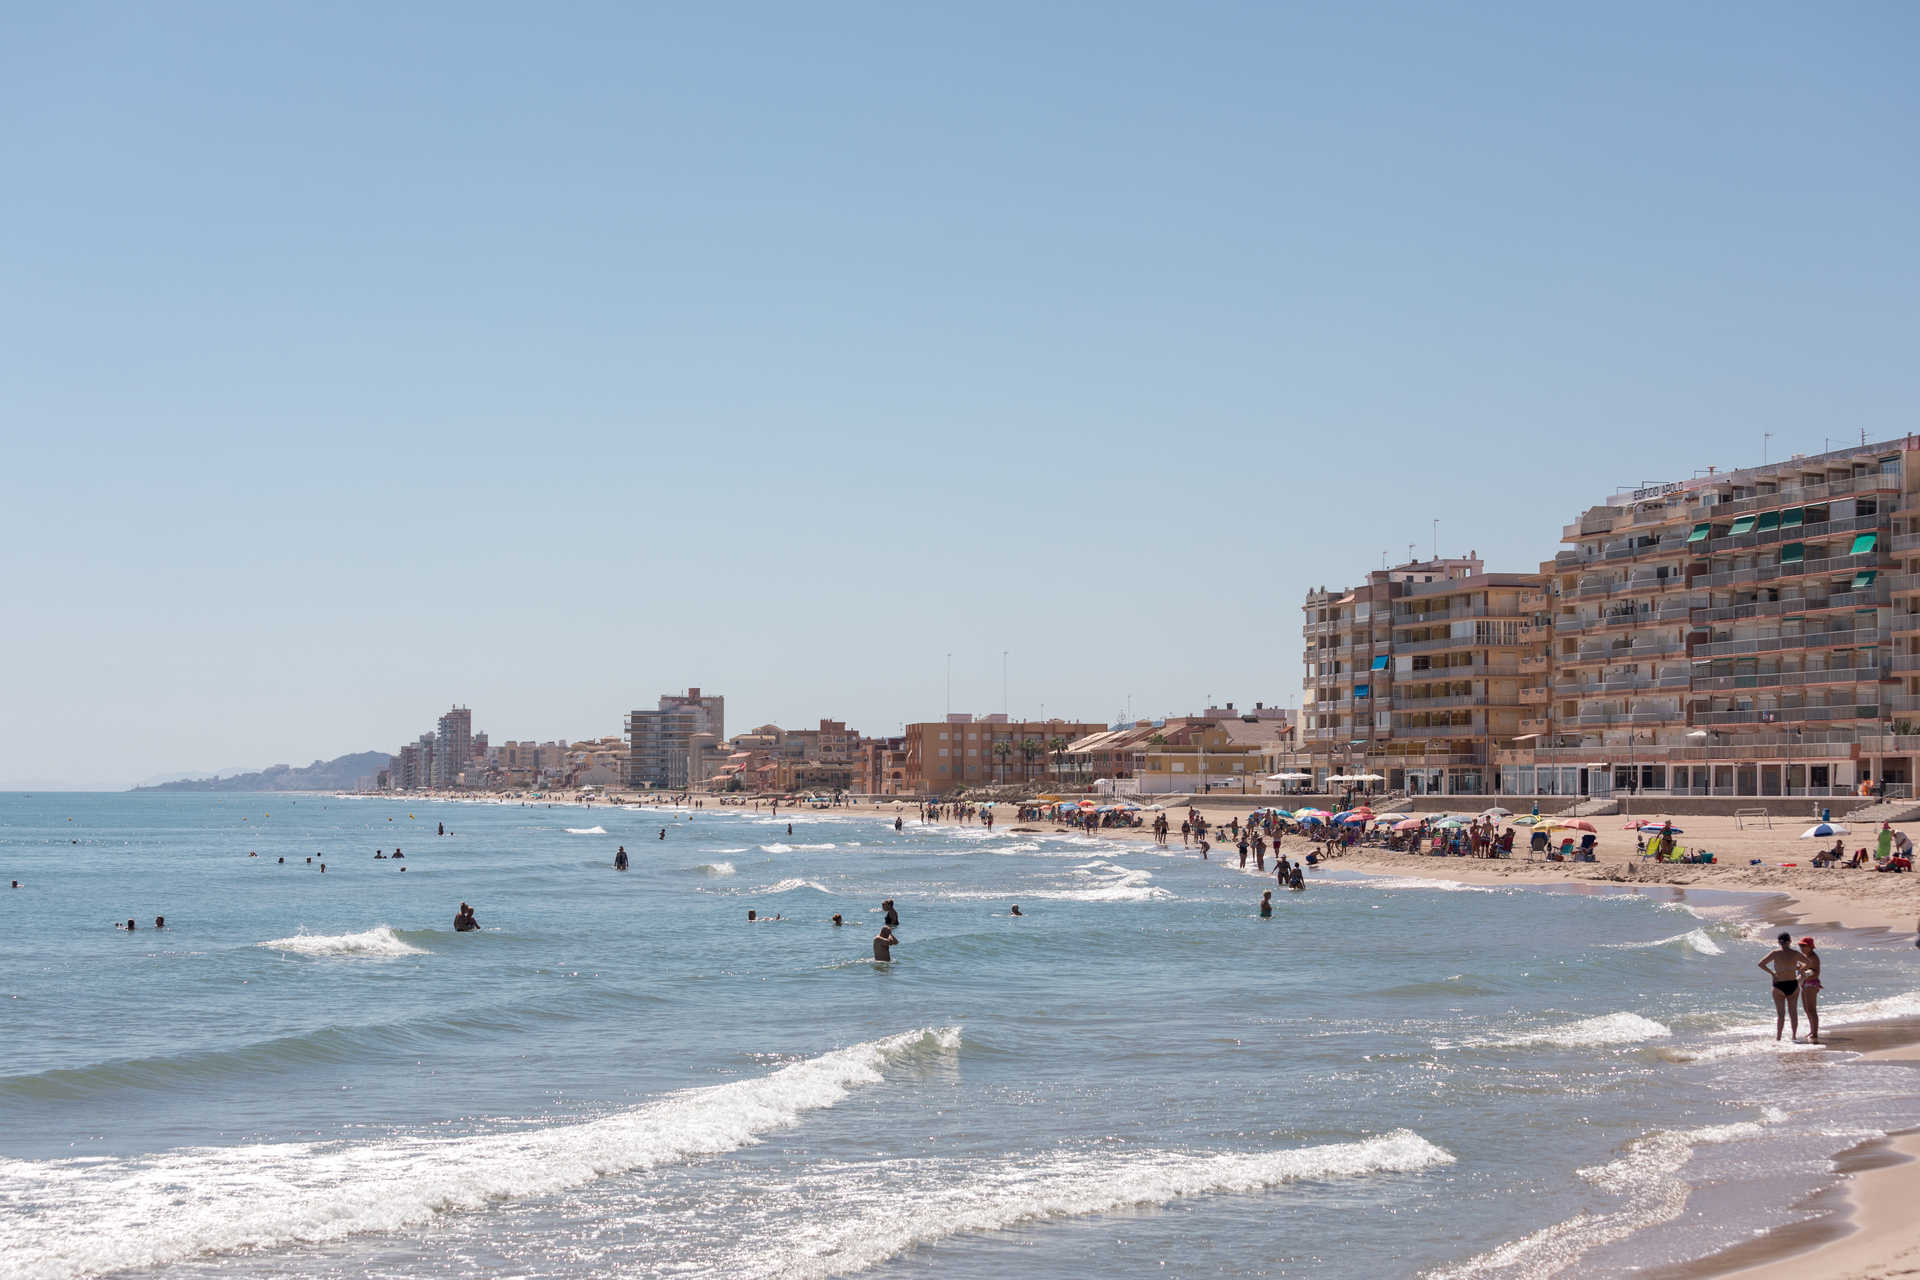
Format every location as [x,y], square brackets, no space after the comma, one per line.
[660,742]
[455,747]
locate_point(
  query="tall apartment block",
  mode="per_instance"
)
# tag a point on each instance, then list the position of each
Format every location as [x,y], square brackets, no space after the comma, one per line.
[1742,633]
[660,742]
[1421,672]
[453,749]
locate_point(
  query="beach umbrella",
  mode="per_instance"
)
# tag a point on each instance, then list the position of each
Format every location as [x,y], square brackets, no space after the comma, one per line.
[1352,819]
[1408,824]
[1450,824]
[1571,824]
[1528,821]
[1822,830]
[1496,812]
[1312,815]
[1655,828]
[1391,817]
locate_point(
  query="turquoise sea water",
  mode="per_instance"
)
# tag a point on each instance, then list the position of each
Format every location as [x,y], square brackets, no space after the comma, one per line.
[312,1074]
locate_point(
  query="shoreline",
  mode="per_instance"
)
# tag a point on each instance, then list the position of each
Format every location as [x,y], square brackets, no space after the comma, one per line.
[1859,1228]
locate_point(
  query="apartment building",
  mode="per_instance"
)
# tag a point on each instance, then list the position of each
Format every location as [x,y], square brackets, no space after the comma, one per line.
[660,750]
[970,751]
[1742,633]
[453,749]
[1417,675]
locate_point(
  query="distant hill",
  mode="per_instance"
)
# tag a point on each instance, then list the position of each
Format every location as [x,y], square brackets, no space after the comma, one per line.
[340,774]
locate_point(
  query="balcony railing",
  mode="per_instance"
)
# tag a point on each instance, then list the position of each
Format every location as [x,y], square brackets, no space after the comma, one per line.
[1806,640]
[1869,597]
[1792,569]
[1787,679]
[1795,533]
[1802,495]
[1788,715]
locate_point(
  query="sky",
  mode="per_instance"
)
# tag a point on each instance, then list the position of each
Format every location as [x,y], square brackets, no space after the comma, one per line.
[358,360]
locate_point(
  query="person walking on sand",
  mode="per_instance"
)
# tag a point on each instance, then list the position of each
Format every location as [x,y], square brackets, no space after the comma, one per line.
[1783,964]
[1810,988]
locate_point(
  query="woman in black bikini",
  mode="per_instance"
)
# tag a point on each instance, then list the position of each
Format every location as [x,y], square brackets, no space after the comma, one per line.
[1784,966]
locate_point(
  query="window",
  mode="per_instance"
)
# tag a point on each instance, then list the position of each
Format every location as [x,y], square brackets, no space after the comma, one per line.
[1863,544]
[943,752]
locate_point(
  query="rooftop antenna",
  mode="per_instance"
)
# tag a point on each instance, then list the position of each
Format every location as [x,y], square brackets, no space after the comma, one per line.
[1436,537]
[1766,441]
[1005,710]
[949,684]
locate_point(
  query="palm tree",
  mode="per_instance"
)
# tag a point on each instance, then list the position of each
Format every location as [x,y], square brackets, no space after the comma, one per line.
[1002,750]
[1030,748]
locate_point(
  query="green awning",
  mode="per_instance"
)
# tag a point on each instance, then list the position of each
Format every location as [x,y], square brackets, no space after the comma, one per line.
[1743,525]
[1700,531]
[1769,520]
[1792,552]
[1863,543]
[1792,517]
[1864,578]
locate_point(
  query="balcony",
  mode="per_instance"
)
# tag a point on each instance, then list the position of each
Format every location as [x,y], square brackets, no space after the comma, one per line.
[1806,640]
[1868,597]
[1601,719]
[1793,569]
[1794,533]
[1803,495]
[1788,715]
[1534,724]
[1440,731]
[1535,662]
[1535,695]
[1405,702]
[1787,679]
[1905,541]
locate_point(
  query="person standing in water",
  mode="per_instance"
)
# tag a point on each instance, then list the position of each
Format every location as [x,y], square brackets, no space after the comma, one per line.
[1810,988]
[620,858]
[1266,904]
[893,917]
[883,943]
[1783,964]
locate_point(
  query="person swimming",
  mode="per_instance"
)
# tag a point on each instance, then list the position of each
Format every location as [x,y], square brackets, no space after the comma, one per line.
[883,943]
[160,922]
[837,921]
[1015,910]
[464,920]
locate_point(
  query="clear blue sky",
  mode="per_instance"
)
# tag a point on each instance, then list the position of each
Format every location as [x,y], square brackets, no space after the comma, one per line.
[359,359]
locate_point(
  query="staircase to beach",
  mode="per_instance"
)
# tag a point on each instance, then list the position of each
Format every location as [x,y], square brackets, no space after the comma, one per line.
[1591,807]
[1883,811]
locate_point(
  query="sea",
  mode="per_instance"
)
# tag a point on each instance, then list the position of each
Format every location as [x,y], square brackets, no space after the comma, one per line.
[310,1073]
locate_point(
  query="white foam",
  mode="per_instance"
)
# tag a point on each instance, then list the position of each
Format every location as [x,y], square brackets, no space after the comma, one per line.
[1647,1177]
[586,831]
[789,885]
[715,868]
[776,848]
[376,943]
[84,1216]
[1607,1029]
[885,1222]
[1695,940]
[1366,881]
